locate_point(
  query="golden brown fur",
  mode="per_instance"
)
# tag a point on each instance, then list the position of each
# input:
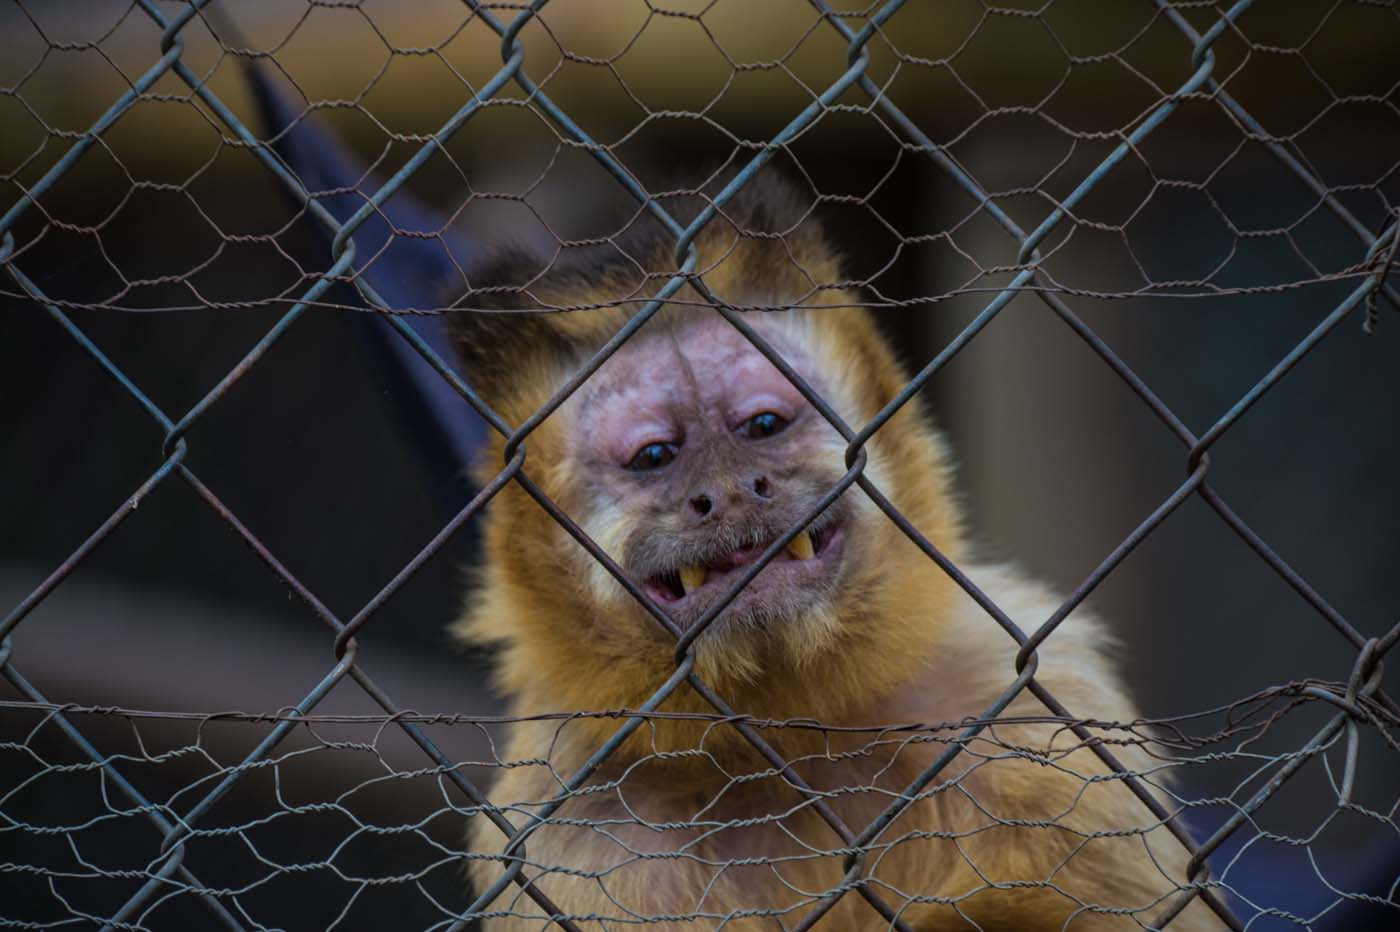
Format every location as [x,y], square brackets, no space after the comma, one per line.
[899,643]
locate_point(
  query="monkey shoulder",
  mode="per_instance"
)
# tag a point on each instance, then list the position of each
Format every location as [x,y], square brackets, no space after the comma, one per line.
[974,661]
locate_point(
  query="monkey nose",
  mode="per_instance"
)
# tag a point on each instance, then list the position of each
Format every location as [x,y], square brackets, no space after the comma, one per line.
[701,504]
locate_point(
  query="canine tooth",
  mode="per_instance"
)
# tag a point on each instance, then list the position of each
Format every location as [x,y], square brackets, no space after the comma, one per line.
[692,578]
[801,546]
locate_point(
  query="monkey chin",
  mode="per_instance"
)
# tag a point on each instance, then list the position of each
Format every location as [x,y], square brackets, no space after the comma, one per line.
[784,615]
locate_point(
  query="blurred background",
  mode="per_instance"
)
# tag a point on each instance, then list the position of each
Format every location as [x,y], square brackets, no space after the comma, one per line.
[1201,259]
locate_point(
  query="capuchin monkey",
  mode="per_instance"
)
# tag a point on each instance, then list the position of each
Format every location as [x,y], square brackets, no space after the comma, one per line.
[686,455]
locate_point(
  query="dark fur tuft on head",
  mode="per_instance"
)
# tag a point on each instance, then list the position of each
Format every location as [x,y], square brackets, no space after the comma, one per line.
[763,247]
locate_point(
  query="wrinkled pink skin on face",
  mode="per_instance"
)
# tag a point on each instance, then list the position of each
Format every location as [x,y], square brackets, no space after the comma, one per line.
[693,387]
[664,386]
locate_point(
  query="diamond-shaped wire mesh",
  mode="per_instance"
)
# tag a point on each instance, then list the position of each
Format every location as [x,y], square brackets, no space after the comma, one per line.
[989,170]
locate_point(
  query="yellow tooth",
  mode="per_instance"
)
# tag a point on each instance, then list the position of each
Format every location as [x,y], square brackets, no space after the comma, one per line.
[692,578]
[801,546]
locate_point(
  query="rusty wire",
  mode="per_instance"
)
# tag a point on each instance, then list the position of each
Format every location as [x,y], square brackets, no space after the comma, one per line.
[1177,743]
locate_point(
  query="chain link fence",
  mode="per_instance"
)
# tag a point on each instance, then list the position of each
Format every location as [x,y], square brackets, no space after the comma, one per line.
[1091,161]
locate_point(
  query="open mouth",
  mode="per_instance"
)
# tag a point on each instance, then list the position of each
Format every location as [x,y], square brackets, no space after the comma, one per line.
[807,550]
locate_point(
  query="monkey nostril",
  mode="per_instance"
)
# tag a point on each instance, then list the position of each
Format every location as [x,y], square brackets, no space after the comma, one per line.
[761,487]
[701,504]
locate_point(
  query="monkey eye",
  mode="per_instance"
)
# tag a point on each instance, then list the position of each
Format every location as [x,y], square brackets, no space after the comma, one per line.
[653,456]
[763,425]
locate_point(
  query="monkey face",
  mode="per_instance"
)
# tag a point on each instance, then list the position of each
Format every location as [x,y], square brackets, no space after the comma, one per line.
[697,455]
[684,456]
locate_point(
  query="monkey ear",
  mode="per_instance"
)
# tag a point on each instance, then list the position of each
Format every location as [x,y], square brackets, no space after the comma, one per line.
[530,320]
[500,334]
